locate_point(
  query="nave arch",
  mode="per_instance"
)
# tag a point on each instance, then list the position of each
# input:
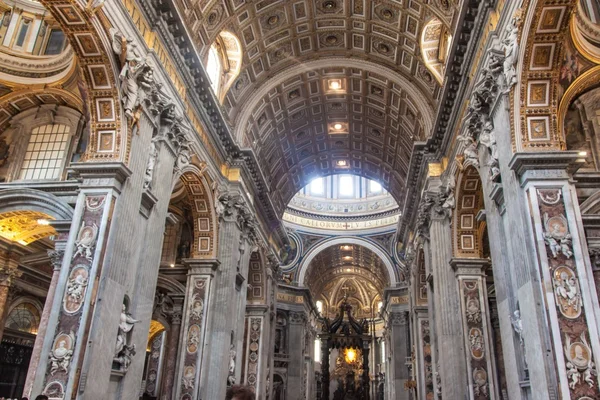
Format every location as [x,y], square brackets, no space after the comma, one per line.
[392,274]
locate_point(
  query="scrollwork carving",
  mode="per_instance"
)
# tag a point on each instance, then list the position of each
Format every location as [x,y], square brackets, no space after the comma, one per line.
[580,367]
[56,258]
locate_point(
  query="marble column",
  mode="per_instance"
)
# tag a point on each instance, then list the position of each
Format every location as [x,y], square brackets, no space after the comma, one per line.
[166,391]
[398,326]
[325,376]
[423,354]
[9,263]
[56,259]
[295,384]
[557,296]
[193,331]
[224,333]
[475,316]
[446,304]
[255,366]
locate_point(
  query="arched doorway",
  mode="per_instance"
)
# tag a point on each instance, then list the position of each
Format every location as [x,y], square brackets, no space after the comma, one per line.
[347,281]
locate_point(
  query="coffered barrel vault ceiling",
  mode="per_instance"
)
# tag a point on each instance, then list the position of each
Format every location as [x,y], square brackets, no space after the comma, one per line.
[309,65]
[346,265]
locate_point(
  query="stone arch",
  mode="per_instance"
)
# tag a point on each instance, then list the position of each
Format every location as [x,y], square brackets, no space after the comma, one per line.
[541,51]
[312,253]
[467,231]
[33,97]
[205,223]
[19,199]
[87,32]
[586,81]
[257,278]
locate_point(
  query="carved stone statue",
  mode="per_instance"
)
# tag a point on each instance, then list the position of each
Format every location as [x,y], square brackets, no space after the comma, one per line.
[488,139]
[124,357]
[232,356]
[126,324]
[183,156]
[149,173]
[517,324]
[511,54]
[470,152]
[131,64]
[450,200]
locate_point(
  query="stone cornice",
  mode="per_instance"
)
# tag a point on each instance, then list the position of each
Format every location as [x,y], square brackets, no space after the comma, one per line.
[475,265]
[164,17]
[569,161]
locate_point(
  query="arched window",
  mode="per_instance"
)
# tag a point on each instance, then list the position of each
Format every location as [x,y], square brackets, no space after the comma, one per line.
[214,69]
[224,63]
[24,317]
[46,151]
[435,46]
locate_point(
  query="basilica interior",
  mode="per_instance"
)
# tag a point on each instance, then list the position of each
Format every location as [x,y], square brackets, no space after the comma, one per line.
[318,199]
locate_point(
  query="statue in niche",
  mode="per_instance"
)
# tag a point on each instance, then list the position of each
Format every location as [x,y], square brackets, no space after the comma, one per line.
[123,351]
[86,241]
[148,174]
[183,251]
[517,324]
[232,356]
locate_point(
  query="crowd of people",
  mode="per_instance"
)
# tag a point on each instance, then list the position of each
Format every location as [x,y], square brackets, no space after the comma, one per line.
[236,392]
[40,397]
